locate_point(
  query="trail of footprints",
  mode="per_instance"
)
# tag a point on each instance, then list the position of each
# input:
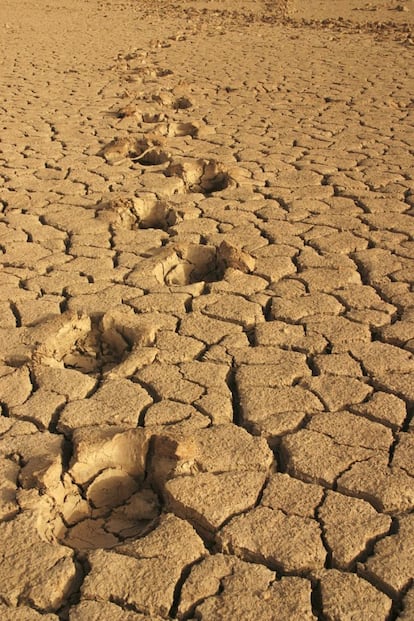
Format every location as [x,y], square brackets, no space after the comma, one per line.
[105,493]
[154,153]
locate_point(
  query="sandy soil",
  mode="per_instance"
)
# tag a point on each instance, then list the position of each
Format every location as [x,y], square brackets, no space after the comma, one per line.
[206,310]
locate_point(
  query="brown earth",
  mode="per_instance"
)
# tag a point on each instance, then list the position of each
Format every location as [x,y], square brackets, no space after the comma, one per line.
[206,310]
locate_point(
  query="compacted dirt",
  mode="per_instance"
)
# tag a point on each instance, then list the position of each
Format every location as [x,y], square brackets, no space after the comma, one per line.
[206,310]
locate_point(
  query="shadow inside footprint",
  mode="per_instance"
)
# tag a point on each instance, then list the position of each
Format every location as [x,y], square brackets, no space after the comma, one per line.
[162,73]
[214,179]
[153,117]
[182,103]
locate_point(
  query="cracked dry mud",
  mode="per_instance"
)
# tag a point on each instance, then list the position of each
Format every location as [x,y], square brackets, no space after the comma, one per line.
[206,310]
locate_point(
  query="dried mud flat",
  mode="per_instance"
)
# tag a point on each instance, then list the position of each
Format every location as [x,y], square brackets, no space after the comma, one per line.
[206,310]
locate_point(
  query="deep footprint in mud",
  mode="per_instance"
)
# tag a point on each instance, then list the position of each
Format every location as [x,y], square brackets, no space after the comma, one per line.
[183,129]
[74,340]
[182,264]
[94,493]
[201,175]
[135,213]
[107,501]
[88,491]
[149,153]
[143,151]
[190,264]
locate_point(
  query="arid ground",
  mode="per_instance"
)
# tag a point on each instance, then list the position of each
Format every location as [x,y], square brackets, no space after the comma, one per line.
[206,310]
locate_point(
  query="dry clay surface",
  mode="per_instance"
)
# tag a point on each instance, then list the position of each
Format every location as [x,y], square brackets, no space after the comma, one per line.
[206,310]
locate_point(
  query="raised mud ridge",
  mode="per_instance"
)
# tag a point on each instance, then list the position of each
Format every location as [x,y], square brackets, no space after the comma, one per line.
[206,311]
